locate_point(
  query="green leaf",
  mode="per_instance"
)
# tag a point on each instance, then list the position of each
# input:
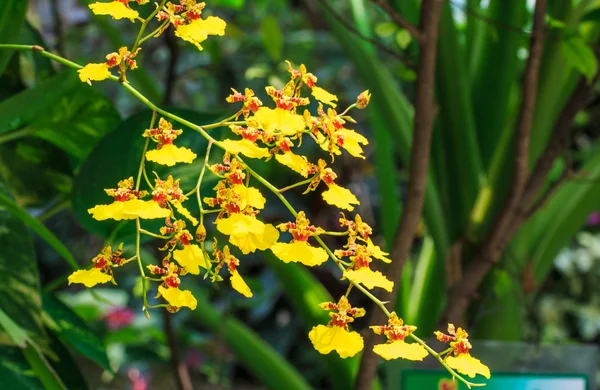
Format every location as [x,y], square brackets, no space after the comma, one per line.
[457,124]
[15,371]
[66,367]
[563,216]
[12,17]
[73,331]
[117,157]
[39,228]
[78,120]
[19,278]
[272,37]
[403,38]
[580,56]
[42,368]
[14,332]
[27,106]
[592,16]
[270,368]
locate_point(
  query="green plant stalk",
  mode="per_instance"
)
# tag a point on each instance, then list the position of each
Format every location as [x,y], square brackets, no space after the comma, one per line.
[262,180]
[14,135]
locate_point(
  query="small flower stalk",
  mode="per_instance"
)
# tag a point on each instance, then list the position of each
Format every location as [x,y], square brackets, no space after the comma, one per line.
[208,233]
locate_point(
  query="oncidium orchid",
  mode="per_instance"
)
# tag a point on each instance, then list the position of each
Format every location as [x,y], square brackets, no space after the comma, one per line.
[232,211]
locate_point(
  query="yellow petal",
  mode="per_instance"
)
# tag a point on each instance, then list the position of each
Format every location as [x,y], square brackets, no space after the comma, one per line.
[94,72]
[352,141]
[239,285]
[185,212]
[324,97]
[334,338]
[137,208]
[116,9]
[248,233]
[295,162]
[250,196]
[245,147]
[400,349]
[376,252]
[279,120]
[177,297]
[340,197]
[191,259]
[198,30]
[89,277]
[299,252]
[170,155]
[369,278]
[109,211]
[468,365]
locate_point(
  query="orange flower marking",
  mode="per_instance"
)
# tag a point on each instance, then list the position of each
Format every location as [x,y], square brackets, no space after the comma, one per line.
[336,336]
[459,358]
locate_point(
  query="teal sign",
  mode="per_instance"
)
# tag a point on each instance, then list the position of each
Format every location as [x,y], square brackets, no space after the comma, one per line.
[440,380]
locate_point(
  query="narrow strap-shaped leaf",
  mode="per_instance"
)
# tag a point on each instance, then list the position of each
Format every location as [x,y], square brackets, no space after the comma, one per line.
[42,368]
[496,74]
[273,371]
[12,18]
[39,228]
[463,161]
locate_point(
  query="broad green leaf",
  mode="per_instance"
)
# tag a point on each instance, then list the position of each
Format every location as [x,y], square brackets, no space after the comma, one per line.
[580,56]
[19,278]
[39,228]
[78,120]
[29,105]
[270,368]
[272,37]
[12,18]
[117,157]
[71,330]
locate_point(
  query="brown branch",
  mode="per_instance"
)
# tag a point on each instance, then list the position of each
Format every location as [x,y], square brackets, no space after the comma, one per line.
[180,371]
[491,250]
[425,113]
[399,19]
[408,63]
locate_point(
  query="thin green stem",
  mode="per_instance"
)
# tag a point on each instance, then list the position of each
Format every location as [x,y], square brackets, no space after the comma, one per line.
[443,363]
[199,183]
[223,123]
[211,211]
[300,183]
[52,211]
[13,135]
[262,180]
[153,33]
[338,234]
[145,22]
[143,159]
[149,233]
[347,109]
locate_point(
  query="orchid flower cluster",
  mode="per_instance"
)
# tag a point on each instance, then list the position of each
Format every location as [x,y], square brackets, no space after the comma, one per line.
[258,132]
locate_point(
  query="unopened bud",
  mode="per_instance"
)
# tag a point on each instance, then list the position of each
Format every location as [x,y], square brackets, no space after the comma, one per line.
[201,234]
[362,101]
